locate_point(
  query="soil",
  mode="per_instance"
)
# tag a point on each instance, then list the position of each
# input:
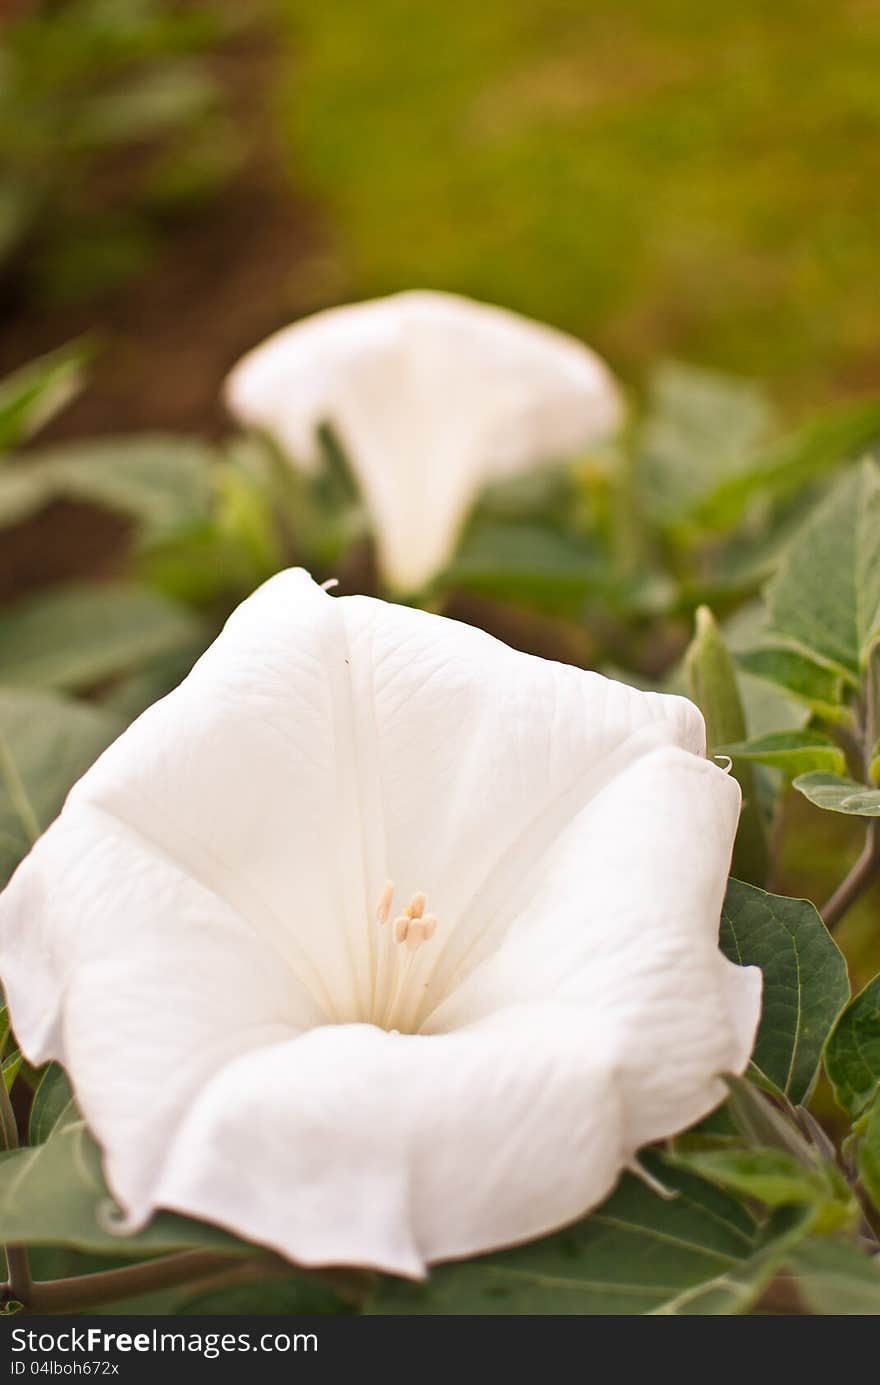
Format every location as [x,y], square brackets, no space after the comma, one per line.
[249,261]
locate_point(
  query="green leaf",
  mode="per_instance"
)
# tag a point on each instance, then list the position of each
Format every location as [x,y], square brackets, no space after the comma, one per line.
[869,1154]
[825,596]
[771,1176]
[699,1252]
[46,743]
[527,563]
[805,982]
[793,752]
[836,1277]
[148,104]
[55,1194]
[163,482]
[702,428]
[852,1058]
[713,686]
[836,436]
[839,794]
[11,1068]
[77,636]
[291,1294]
[820,688]
[51,1099]
[34,394]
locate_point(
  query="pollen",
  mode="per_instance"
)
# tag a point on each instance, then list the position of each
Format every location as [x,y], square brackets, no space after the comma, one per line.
[413,927]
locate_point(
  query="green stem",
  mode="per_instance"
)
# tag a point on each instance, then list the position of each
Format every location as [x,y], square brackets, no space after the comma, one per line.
[18,1286]
[859,879]
[867,867]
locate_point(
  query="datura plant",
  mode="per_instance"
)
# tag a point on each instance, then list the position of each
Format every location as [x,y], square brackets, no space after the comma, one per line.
[380,968]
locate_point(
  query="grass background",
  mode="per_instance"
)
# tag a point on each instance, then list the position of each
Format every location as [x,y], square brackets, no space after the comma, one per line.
[659,176]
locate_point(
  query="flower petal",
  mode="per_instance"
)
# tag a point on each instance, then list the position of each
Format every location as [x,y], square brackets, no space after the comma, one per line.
[141,981]
[248,776]
[432,396]
[394,1151]
[621,917]
[482,757]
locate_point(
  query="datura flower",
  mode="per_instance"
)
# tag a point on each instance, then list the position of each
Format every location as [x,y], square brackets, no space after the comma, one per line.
[432,397]
[380,943]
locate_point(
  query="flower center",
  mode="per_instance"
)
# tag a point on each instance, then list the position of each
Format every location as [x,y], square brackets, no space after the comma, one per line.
[396,991]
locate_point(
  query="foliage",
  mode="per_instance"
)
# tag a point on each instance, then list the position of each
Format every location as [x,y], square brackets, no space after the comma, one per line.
[110,118]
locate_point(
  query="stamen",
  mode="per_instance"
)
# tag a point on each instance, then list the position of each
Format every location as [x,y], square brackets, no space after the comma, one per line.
[415,934]
[383,908]
[392,980]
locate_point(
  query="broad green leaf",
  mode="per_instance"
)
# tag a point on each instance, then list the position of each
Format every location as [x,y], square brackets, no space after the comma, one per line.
[836,1277]
[291,1294]
[826,593]
[805,981]
[701,428]
[777,1179]
[55,1194]
[869,1154]
[51,1100]
[793,752]
[525,562]
[38,391]
[699,1252]
[77,636]
[713,686]
[813,684]
[839,794]
[163,482]
[852,1058]
[46,743]
[837,435]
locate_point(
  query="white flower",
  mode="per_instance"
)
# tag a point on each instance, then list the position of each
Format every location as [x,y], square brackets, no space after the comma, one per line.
[432,396]
[264,1032]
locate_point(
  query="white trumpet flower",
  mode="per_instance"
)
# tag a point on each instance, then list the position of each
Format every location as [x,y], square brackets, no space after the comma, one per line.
[380,943]
[432,396]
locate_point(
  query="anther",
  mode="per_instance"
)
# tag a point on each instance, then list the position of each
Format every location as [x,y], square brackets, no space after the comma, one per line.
[415,934]
[383,908]
[401,927]
[429,926]
[416,906]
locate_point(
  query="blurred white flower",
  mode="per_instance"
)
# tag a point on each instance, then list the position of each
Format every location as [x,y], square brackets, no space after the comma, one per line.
[431,396]
[264,1031]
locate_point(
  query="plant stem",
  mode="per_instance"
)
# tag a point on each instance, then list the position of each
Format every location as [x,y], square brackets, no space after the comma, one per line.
[867,867]
[202,1270]
[90,1290]
[18,1286]
[862,875]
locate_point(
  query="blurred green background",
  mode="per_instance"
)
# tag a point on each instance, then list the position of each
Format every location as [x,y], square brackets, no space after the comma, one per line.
[658,175]
[660,178]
